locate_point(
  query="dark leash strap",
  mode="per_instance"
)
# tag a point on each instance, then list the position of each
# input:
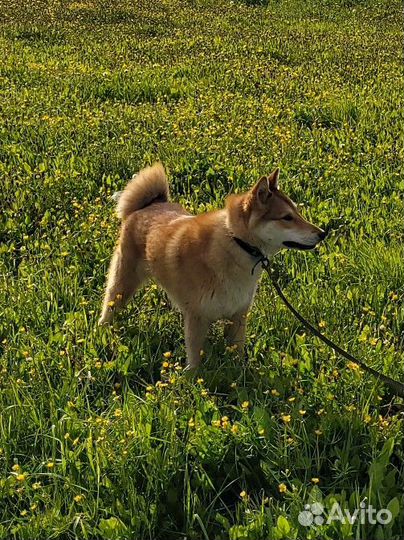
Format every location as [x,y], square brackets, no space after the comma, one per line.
[396,386]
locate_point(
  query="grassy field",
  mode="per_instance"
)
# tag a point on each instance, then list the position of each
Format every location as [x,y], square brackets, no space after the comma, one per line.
[101,435]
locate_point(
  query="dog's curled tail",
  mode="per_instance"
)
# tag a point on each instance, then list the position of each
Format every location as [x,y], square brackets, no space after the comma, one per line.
[148,186]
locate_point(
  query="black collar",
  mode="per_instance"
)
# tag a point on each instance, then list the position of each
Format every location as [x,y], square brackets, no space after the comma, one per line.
[252,251]
[248,248]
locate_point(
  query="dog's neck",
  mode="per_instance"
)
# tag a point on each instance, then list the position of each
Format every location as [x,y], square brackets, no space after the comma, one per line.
[237,219]
[253,251]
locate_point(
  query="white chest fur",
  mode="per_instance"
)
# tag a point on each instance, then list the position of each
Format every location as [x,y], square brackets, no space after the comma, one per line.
[230,294]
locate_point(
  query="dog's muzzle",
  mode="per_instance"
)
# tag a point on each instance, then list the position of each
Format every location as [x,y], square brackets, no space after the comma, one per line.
[298,245]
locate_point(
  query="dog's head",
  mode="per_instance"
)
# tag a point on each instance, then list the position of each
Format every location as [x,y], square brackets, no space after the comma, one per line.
[275,221]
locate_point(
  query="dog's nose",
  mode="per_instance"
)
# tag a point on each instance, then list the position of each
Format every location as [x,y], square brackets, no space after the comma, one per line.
[322,235]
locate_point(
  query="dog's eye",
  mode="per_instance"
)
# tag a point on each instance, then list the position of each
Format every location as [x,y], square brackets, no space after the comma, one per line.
[288,217]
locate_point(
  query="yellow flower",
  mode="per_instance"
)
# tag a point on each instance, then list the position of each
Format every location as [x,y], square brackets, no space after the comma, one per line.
[367,418]
[233,385]
[291,399]
[315,480]
[167,355]
[111,303]
[204,393]
[16,468]
[286,418]
[245,404]
[118,296]
[50,465]
[191,423]
[21,477]
[282,488]
[200,380]
[23,513]
[79,498]
[118,413]
[234,429]
[275,392]
[36,485]
[216,423]
[318,432]
[322,324]
[302,412]
[383,422]
[166,365]
[244,495]
[353,366]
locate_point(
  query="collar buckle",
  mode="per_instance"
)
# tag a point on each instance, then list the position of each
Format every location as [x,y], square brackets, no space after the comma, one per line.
[253,251]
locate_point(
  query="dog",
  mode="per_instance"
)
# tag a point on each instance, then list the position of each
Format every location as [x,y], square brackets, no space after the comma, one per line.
[204,262]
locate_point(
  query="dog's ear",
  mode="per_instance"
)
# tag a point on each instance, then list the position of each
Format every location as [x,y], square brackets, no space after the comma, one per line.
[273,179]
[261,192]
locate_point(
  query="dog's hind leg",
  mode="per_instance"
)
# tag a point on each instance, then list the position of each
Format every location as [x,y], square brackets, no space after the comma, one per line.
[196,329]
[126,274]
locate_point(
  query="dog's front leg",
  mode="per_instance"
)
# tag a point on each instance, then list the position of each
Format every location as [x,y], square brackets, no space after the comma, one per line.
[196,328]
[235,331]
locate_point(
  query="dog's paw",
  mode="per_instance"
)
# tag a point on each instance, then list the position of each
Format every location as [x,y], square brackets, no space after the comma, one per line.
[104,321]
[190,371]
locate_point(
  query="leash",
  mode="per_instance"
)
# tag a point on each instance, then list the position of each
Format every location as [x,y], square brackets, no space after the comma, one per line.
[396,386]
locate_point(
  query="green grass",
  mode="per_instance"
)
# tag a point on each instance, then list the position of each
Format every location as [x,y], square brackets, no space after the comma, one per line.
[92,445]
